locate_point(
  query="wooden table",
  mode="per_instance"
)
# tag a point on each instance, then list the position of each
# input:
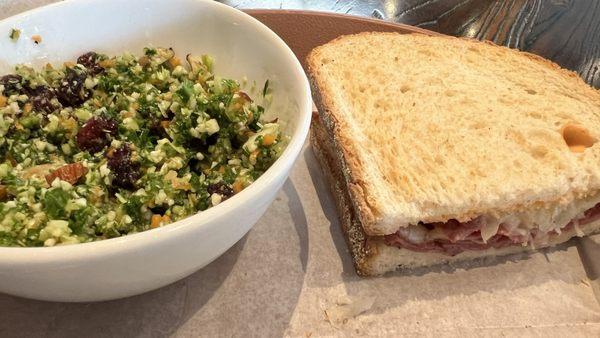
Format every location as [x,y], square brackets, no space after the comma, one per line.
[565,31]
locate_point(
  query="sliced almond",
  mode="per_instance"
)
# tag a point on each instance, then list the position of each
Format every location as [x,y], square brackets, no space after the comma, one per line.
[39,170]
[238,186]
[3,193]
[174,62]
[70,173]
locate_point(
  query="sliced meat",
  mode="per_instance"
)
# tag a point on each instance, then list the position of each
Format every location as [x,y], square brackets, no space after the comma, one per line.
[513,235]
[467,236]
[447,247]
[590,215]
[457,231]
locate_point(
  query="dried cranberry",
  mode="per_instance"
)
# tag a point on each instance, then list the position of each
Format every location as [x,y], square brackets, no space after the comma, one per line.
[124,169]
[95,134]
[41,98]
[221,189]
[159,209]
[212,139]
[13,84]
[157,129]
[90,61]
[71,91]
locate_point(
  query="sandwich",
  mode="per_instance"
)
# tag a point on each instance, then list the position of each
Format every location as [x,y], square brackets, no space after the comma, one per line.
[440,149]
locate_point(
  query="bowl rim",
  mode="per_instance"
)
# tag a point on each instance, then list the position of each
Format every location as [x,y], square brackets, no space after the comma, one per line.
[80,251]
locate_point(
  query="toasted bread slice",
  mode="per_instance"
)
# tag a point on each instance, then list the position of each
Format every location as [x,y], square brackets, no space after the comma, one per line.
[370,254]
[436,128]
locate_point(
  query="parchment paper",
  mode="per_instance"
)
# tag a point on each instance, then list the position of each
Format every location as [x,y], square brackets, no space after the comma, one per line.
[293,267]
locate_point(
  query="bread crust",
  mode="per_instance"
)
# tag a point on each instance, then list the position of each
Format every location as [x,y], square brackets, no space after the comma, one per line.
[356,239]
[370,254]
[367,204]
[350,166]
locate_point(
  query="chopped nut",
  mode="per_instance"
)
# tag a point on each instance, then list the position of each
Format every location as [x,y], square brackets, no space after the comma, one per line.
[143,61]
[238,186]
[3,101]
[70,173]
[176,182]
[174,62]
[253,157]
[39,170]
[107,63]
[244,97]
[3,193]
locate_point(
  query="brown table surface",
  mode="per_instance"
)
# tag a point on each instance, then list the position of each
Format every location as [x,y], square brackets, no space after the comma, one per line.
[565,31]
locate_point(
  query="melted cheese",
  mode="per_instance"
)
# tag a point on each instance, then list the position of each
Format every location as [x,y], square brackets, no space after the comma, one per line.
[520,224]
[552,218]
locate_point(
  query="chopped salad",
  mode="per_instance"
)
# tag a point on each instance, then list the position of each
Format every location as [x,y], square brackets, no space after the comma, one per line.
[109,146]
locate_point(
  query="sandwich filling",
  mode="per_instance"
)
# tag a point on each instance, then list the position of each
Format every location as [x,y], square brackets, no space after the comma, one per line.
[453,237]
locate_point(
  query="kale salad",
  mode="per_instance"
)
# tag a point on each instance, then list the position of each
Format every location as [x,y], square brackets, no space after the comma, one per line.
[109,146]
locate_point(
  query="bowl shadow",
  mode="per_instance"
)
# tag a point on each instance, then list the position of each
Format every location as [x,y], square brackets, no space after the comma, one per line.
[152,314]
[260,296]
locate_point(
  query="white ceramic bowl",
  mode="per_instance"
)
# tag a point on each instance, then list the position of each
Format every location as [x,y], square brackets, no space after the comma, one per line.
[134,264]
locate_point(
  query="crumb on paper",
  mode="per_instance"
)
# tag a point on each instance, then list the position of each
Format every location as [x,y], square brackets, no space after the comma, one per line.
[586,282]
[340,313]
[14,34]
[36,38]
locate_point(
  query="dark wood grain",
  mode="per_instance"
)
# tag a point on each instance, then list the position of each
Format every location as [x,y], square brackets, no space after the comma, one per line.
[322,27]
[565,31]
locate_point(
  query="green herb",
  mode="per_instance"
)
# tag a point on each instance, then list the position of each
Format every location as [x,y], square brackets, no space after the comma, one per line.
[186,91]
[55,201]
[133,208]
[79,219]
[30,121]
[149,51]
